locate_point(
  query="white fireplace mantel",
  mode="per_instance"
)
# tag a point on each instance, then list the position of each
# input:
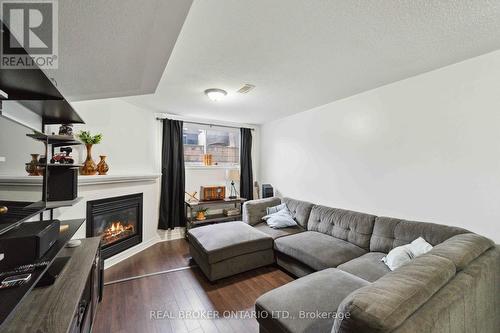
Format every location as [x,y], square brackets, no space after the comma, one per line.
[7,180]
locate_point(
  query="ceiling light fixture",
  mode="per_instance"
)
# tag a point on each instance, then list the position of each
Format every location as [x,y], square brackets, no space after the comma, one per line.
[215,94]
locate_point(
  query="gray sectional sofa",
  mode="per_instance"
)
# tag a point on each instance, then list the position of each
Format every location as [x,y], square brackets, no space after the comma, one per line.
[344,286]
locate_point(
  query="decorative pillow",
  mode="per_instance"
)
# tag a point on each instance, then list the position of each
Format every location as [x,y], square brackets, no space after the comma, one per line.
[280,219]
[398,256]
[401,255]
[275,209]
[419,246]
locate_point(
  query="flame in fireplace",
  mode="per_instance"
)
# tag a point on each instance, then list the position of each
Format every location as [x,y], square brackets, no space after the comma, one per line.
[117,230]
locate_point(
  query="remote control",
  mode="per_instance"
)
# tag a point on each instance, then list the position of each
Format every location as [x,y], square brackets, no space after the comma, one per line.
[25,268]
[14,281]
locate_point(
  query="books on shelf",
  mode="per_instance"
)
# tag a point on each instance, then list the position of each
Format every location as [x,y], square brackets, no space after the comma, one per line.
[231,212]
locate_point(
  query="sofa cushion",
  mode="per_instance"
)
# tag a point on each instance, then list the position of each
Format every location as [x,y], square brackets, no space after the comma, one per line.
[226,240]
[292,266]
[353,227]
[317,250]
[276,233]
[320,291]
[254,210]
[300,210]
[462,249]
[389,233]
[389,301]
[369,266]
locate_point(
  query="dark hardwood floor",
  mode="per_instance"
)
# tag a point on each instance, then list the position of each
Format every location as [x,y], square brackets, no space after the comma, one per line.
[127,306]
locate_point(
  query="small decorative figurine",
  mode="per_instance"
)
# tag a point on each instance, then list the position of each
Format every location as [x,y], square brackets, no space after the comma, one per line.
[66,129]
[63,157]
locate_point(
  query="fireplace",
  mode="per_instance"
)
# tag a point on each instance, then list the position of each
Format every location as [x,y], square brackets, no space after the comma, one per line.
[117,220]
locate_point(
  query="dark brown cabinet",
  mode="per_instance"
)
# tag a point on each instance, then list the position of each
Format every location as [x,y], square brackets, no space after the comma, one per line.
[85,314]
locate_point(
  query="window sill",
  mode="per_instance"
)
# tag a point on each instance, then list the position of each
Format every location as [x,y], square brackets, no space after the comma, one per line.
[210,167]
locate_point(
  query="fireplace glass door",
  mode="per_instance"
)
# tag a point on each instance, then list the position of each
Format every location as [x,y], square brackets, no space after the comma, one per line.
[116,226]
[117,220]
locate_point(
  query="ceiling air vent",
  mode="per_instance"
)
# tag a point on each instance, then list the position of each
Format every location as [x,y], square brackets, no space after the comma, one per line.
[246,88]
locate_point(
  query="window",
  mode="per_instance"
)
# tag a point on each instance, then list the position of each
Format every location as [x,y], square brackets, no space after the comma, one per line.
[222,143]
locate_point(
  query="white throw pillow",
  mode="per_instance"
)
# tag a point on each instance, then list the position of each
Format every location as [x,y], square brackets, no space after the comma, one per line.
[281,219]
[275,209]
[398,256]
[419,246]
[401,255]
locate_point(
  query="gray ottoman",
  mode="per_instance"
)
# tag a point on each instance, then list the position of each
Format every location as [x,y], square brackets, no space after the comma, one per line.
[229,248]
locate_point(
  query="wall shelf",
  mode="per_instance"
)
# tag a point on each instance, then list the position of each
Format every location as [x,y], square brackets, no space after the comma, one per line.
[57,165]
[34,90]
[59,140]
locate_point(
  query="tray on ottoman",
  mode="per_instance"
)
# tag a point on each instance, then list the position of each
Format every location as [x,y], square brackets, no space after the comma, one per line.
[229,248]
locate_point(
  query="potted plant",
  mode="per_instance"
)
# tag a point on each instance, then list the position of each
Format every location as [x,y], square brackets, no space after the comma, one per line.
[89,167]
[201,214]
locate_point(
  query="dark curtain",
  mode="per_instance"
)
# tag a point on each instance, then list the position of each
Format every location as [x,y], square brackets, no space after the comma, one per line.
[246,177]
[172,176]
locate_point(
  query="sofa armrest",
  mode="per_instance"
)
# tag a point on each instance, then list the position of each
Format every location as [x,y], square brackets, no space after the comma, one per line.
[255,210]
[386,303]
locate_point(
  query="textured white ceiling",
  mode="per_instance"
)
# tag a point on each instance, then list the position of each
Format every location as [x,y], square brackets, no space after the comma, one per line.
[301,54]
[110,48]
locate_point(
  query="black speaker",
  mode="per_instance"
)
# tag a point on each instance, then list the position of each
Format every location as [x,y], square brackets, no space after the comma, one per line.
[267,191]
[62,184]
[28,243]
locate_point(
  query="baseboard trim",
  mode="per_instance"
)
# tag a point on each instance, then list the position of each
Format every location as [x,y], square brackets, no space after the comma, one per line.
[162,236]
[150,274]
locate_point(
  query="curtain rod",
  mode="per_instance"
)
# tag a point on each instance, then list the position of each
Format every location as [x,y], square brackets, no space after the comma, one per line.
[199,123]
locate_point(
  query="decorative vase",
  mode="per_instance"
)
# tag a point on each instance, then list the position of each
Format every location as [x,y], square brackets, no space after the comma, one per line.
[102,167]
[32,166]
[89,168]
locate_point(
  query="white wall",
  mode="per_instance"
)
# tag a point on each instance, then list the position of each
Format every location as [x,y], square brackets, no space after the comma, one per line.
[426,148]
[129,138]
[16,147]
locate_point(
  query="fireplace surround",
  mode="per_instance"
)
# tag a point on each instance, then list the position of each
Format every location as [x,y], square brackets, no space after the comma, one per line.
[117,220]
